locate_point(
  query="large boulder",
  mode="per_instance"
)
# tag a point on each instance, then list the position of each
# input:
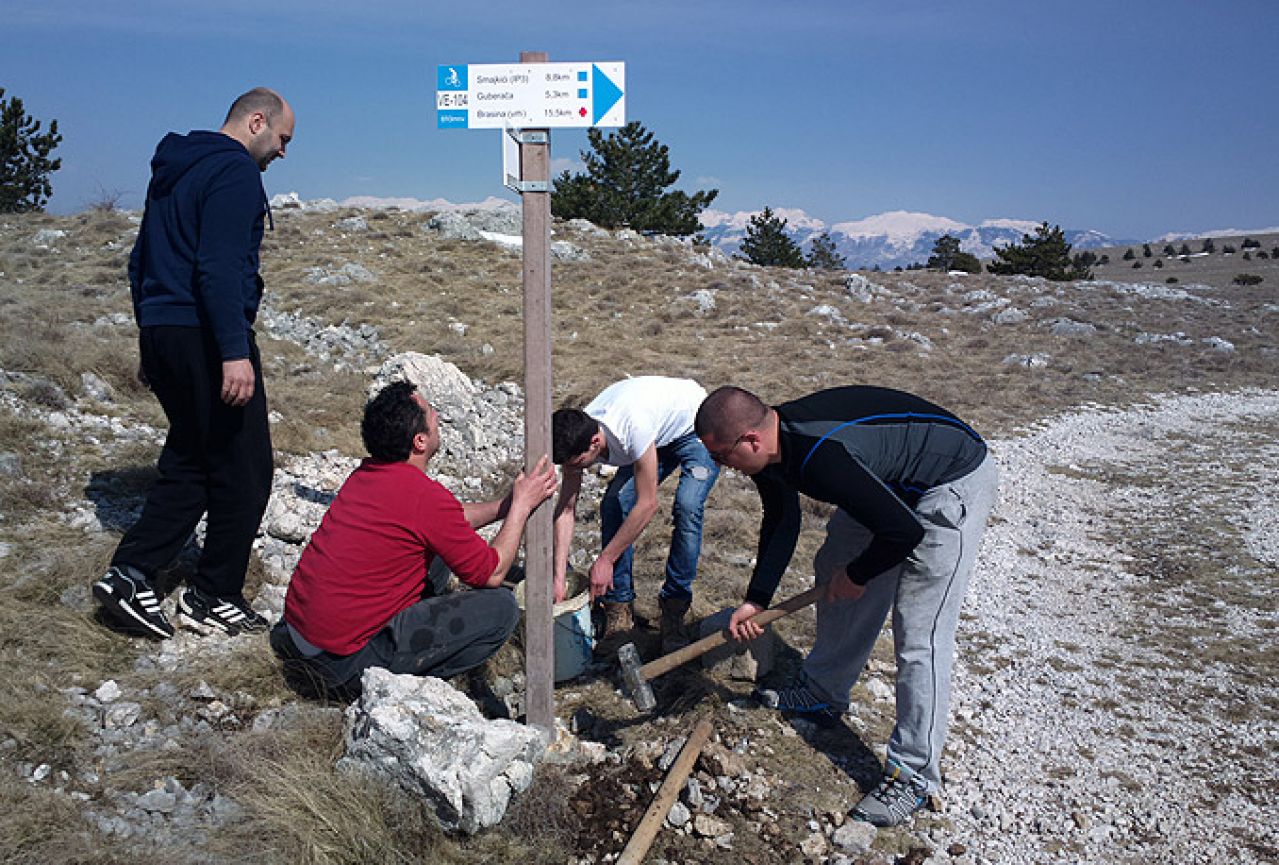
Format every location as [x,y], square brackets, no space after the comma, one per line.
[430,740]
[481,429]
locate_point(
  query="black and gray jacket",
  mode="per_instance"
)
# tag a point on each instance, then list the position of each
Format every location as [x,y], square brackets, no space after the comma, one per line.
[871,451]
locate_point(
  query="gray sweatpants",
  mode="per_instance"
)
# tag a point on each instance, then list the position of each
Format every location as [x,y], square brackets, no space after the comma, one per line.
[924,593]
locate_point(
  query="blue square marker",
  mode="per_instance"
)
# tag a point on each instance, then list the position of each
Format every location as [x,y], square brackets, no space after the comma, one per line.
[582,93]
[451,78]
[581,75]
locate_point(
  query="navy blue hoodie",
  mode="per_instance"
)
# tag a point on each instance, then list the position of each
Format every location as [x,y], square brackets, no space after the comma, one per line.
[195,263]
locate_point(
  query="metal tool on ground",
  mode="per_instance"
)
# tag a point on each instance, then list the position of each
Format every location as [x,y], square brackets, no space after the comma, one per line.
[646,831]
[636,678]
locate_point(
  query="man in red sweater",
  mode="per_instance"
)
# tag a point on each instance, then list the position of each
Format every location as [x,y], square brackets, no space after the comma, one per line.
[365,594]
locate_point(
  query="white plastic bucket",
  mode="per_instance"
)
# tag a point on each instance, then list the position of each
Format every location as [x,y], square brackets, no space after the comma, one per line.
[574,634]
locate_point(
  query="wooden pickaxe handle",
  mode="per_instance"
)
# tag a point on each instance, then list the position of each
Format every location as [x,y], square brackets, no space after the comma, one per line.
[646,831]
[666,663]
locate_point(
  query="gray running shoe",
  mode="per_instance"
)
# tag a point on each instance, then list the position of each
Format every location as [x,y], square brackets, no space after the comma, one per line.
[893,801]
[125,593]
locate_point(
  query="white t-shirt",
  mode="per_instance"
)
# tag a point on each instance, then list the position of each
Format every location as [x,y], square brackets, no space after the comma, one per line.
[648,410]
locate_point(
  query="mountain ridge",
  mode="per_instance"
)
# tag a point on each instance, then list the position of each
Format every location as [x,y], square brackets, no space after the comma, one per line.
[896,238]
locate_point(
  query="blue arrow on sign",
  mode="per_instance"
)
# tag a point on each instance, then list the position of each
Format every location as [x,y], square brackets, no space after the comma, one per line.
[604,93]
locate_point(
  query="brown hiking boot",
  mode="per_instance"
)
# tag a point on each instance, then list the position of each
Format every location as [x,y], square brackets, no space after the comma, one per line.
[674,636]
[619,622]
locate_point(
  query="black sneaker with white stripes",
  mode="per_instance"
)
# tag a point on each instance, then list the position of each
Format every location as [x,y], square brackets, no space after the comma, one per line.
[124,592]
[206,614]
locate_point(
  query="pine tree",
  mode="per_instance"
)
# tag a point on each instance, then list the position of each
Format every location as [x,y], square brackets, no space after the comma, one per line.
[1047,254]
[25,165]
[768,244]
[945,249]
[625,183]
[822,255]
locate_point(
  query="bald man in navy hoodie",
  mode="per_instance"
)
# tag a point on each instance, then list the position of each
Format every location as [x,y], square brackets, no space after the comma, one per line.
[196,289]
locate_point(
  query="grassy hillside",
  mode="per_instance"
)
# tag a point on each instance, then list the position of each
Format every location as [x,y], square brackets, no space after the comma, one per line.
[1004,353]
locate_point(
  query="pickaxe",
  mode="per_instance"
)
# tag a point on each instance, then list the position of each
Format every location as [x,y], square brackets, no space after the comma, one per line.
[636,678]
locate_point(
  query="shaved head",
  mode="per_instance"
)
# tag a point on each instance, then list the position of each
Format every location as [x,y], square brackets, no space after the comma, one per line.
[728,412]
[259,99]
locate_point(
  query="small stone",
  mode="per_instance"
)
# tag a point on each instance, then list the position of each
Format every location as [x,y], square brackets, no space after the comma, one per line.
[41,772]
[121,715]
[978,812]
[107,691]
[814,845]
[855,836]
[706,826]
[720,761]
[678,815]
[1080,818]
[670,753]
[956,849]
[693,793]
[161,801]
[880,691]
[202,691]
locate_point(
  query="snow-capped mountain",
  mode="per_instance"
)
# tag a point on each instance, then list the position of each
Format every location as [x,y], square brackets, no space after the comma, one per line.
[895,239]
[1220,232]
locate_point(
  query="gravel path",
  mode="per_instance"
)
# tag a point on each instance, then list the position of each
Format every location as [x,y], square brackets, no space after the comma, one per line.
[1116,696]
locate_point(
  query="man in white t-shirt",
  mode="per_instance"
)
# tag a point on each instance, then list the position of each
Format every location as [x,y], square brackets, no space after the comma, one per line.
[644,426]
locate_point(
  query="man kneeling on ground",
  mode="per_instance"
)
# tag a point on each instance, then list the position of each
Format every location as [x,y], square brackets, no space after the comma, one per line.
[365,594]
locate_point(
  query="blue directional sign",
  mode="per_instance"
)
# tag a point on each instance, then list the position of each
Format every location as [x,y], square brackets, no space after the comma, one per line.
[530,95]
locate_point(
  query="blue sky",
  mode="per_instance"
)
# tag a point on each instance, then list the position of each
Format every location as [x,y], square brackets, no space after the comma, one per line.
[1129,118]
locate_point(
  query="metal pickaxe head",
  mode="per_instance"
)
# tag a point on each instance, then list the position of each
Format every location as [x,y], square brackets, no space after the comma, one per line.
[633,680]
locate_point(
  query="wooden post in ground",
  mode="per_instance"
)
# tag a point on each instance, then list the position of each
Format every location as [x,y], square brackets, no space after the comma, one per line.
[539,657]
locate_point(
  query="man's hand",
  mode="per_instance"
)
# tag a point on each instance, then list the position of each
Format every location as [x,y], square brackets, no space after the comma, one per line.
[841,588]
[740,627]
[601,577]
[561,587]
[531,489]
[237,381]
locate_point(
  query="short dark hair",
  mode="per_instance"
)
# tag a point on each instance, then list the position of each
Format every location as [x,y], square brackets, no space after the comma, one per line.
[391,419]
[728,412]
[571,432]
[261,99]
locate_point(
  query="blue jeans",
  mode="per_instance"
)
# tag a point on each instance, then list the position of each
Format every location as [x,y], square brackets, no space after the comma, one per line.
[697,475]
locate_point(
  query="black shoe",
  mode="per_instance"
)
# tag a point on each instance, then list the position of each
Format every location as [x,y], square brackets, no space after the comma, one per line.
[206,614]
[798,701]
[125,593]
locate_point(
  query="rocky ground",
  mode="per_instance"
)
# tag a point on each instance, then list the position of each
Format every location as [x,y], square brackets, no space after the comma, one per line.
[1115,696]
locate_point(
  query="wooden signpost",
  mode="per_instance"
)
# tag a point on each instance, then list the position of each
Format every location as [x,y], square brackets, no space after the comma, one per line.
[524,101]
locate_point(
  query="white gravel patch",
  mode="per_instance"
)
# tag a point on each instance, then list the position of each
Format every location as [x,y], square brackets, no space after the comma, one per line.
[1074,740]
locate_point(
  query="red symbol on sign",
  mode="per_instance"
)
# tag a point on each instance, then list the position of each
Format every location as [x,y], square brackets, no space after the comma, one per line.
[581,112]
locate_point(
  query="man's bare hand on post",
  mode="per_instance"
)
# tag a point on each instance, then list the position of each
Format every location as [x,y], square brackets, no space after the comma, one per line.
[535,487]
